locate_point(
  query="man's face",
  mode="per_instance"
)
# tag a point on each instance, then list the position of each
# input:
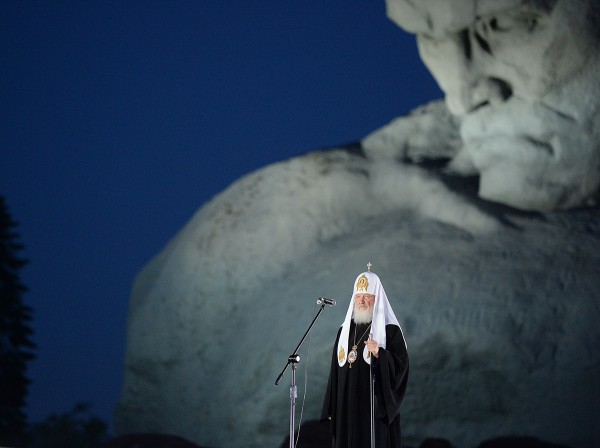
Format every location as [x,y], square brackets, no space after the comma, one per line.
[524,77]
[363,302]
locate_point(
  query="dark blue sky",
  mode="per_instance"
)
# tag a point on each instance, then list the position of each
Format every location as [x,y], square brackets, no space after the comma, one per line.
[119,119]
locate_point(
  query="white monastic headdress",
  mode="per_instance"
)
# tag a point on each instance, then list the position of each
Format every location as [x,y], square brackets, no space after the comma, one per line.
[368,283]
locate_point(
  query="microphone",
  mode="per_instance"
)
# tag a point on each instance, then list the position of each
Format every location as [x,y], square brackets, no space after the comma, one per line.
[324,301]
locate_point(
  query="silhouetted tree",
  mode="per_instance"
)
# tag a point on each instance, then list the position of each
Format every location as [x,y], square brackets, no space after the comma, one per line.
[74,429]
[16,346]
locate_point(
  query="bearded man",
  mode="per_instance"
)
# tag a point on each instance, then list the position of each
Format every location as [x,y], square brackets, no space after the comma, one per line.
[369,344]
[522,76]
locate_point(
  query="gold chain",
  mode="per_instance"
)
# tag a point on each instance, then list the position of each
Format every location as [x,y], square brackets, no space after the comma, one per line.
[363,335]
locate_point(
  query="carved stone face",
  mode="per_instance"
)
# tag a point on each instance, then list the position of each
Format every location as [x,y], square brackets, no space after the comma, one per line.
[525,77]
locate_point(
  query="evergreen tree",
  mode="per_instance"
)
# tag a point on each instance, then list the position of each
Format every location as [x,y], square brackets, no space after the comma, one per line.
[16,346]
[74,429]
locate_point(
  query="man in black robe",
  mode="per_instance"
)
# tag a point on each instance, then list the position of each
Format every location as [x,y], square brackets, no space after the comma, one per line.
[370,340]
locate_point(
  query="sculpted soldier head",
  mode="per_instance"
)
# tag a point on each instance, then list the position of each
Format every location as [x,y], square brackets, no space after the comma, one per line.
[524,75]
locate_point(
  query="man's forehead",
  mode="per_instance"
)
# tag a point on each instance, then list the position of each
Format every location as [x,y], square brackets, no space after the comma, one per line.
[438,17]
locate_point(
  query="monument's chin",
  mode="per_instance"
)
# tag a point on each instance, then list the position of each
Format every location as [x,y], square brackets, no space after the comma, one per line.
[531,174]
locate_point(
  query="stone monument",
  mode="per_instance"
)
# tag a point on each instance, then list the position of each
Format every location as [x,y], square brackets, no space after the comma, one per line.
[481,212]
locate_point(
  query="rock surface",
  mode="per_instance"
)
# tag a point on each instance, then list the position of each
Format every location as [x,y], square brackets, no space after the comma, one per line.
[499,307]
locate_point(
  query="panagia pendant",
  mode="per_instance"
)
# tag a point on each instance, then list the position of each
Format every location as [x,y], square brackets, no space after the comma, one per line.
[352,355]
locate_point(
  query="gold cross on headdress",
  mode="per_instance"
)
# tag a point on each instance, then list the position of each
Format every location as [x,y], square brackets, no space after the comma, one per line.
[369,266]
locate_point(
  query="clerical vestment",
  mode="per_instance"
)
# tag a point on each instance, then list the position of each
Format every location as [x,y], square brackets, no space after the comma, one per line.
[347,399]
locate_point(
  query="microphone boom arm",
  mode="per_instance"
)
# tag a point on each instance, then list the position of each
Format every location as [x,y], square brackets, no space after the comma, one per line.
[294,359]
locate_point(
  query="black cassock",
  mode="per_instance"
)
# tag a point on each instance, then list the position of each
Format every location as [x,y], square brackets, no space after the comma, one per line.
[347,399]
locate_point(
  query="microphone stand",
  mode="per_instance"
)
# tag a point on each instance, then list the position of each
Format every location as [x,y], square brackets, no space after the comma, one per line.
[294,359]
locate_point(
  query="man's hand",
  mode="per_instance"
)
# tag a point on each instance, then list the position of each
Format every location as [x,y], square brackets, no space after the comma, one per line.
[373,347]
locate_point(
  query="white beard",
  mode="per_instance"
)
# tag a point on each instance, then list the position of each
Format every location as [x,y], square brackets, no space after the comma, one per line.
[363,317]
